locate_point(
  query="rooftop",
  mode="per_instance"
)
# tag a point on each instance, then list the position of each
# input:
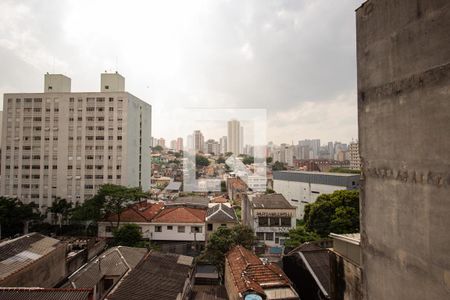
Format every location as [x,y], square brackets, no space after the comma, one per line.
[113,262]
[317,261]
[221,213]
[18,253]
[139,212]
[353,238]
[335,179]
[159,276]
[250,274]
[181,215]
[193,200]
[271,201]
[44,294]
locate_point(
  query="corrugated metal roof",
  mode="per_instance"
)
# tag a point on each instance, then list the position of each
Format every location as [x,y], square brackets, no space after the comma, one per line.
[221,213]
[335,179]
[44,294]
[115,261]
[18,253]
[274,201]
[159,276]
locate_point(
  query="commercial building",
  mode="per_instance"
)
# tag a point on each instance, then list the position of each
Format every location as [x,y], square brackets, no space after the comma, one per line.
[403,52]
[179,144]
[270,216]
[223,145]
[66,144]
[301,188]
[32,260]
[248,277]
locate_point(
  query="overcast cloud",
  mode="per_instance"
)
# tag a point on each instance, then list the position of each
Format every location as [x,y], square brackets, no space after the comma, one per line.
[294,58]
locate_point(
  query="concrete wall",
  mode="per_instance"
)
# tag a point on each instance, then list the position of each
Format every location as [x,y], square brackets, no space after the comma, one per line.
[45,272]
[403,50]
[346,278]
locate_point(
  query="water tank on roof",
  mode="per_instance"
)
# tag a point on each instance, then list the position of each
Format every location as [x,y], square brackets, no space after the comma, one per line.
[253,297]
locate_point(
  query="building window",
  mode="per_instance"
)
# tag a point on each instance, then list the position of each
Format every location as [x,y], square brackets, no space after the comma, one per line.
[269,236]
[196,229]
[260,236]
[286,222]
[181,229]
[263,221]
[108,229]
[274,222]
[158,228]
[170,227]
[210,227]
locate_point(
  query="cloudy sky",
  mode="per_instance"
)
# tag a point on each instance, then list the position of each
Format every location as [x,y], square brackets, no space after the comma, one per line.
[296,59]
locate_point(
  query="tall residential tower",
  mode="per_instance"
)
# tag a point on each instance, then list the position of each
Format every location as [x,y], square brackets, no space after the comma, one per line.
[64,144]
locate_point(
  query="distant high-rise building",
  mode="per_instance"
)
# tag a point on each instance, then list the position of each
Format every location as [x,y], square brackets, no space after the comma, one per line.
[223,145]
[235,137]
[355,160]
[314,147]
[199,141]
[179,144]
[212,147]
[173,144]
[162,142]
[65,144]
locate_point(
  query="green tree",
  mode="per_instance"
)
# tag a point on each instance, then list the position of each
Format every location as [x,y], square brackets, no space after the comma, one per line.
[228,154]
[157,148]
[269,160]
[128,235]
[337,212]
[61,208]
[220,160]
[15,216]
[248,160]
[200,160]
[117,198]
[223,239]
[300,235]
[278,166]
[269,191]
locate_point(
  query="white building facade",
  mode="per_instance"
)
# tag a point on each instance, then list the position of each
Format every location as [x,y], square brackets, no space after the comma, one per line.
[301,188]
[64,144]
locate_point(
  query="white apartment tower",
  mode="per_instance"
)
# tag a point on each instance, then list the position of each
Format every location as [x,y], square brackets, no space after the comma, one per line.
[355,160]
[65,144]
[235,139]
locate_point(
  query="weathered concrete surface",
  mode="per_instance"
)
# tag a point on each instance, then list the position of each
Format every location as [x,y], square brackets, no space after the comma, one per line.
[346,278]
[403,50]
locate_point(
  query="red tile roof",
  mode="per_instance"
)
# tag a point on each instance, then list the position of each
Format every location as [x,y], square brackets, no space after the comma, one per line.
[181,215]
[219,199]
[237,183]
[251,274]
[139,212]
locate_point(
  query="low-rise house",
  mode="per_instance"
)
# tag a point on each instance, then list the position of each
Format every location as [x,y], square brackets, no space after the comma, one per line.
[103,273]
[270,216]
[308,267]
[346,271]
[246,276]
[236,188]
[140,214]
[179,223]
[219,215]
[159,276]
[36,293]
[32,260]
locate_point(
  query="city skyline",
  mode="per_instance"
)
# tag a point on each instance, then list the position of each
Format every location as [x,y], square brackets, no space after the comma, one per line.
[181,63]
